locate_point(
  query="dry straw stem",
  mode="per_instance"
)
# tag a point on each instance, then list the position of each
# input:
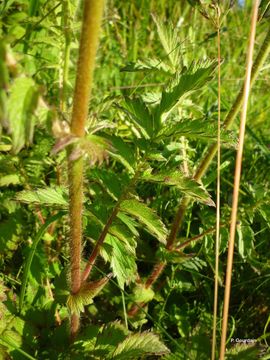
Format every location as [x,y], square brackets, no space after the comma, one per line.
[237,178]
[91,23]
[213,356]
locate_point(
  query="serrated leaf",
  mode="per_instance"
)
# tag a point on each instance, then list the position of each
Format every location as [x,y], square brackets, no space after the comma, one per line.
[188,186]
[64,141]
[147,65]
[140,115]
[141,294]
[121,258]
[169,39]
[245,240]
[129,222]
[156,157]
[243,351]
[45,196]
[198,129]
[95,147]
[13,179]
[140,344]
[147,217]
[87,292]
[22,103]
[123,233]
[122,152]
[183,84]
[174,257]
[113,183]
[110,336]
[195,264]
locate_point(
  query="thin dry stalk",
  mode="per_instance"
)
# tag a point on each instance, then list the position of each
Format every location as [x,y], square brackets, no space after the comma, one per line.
[218,195]
[237,178]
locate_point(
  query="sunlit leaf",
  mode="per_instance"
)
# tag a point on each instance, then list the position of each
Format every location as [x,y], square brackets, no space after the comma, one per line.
[45,196]
[10,179]
[85,295]
[187,185]
[121,151]
[121,258]
[141,294]
[111,335]
[184,83]
[140,115]
[22,103]
[245,240]
[147,65]
[146,216]
[169,39]
[141,344]
[198,129]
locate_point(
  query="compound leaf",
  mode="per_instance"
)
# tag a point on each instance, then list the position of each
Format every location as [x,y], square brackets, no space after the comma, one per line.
[192,79]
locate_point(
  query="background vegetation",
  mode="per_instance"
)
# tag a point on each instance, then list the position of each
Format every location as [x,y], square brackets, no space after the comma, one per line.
[140,153]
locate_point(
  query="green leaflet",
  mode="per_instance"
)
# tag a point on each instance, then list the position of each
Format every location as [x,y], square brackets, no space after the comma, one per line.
[109,337]
[185,83]
[9,179]
[141,294]
[111,182]
[169,39]
[140,344]
[121,258]
[188,186]
[147,65]
[245,241]
[264,9]
[46,196]
[244,351]
[174,257]
[22,103]
[114,341]
[8,340]
[129,222]
[198,129]
[88,291]
[122,232]
[147,217]
[121,151]
[140,115]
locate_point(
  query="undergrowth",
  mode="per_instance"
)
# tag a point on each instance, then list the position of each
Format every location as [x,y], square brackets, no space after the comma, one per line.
[147,283]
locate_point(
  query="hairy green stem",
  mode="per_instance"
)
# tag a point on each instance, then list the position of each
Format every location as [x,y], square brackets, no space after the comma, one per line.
[92,17]
[206,161]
